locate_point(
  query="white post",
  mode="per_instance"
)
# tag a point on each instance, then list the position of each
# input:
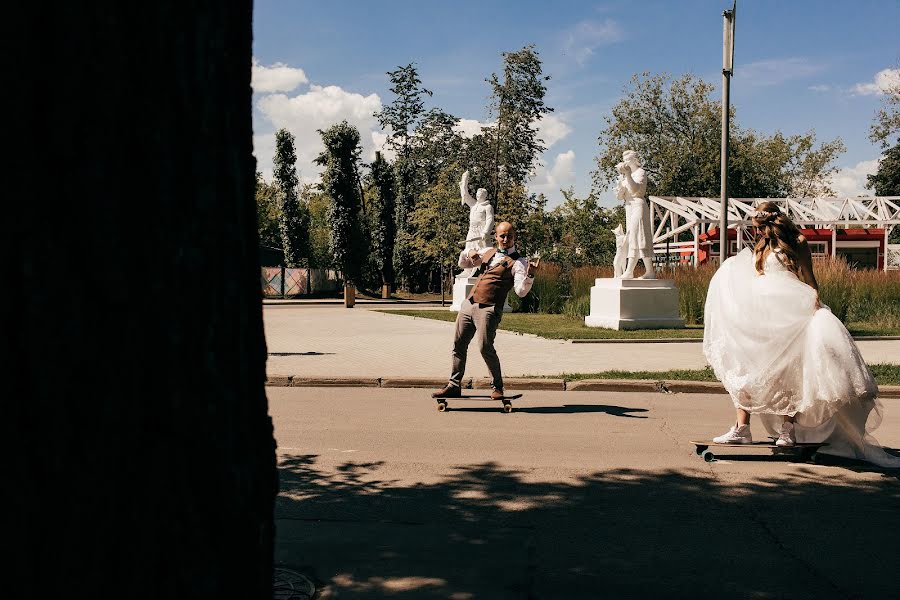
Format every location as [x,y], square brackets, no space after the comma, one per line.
[833,241]
[696,246]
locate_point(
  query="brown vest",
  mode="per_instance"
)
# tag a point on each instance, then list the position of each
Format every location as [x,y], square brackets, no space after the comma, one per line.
[494,283]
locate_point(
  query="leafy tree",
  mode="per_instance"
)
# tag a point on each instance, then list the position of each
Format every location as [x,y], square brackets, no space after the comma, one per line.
[582,231]
[438,212]
[435,145]
[399,119]
[267,212]
[518,102]
[675,128]
[887,119]
[340,182]
[381,217]
[317,204]
[294,220]
[886,182]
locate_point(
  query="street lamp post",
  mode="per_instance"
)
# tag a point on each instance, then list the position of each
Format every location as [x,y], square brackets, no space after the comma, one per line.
[727,71]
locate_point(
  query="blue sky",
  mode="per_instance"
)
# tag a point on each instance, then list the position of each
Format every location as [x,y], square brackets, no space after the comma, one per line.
[799,65]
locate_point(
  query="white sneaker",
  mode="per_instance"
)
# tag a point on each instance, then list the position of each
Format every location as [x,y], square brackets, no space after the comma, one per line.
[736,435]
[787,436]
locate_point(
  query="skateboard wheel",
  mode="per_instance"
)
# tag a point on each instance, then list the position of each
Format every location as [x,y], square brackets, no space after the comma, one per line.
[507,408]
[442,406]
[708,456]
[700,450]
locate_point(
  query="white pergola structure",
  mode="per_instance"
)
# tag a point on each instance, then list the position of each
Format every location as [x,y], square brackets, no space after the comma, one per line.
[676,218]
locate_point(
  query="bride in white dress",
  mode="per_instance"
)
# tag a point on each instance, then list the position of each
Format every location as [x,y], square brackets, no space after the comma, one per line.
[784,356]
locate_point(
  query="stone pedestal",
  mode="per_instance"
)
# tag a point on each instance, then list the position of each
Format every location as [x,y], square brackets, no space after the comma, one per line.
[462,286]
[634,304]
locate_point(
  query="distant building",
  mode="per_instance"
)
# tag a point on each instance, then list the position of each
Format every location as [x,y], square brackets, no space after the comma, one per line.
[859,229]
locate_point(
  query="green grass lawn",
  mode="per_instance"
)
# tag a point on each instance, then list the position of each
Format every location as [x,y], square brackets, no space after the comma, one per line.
[563,327]
[885,374]
[560,327]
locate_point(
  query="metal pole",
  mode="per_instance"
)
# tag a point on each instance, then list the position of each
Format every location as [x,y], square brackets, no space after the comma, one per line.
[727,69]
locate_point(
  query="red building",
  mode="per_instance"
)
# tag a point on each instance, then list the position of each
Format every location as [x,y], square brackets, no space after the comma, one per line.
[862,248]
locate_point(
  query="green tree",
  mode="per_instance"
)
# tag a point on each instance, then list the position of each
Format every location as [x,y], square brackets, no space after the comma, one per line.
[294,220]
[886,127]
[381,218]
[399,119]
[582,231]
[886,182]
[675,128]
[267,212]
[518,102]
[340,182]
[438,213]
[317,204]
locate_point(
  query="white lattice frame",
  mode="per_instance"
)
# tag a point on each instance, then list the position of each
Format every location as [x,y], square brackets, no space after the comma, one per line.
[699,215]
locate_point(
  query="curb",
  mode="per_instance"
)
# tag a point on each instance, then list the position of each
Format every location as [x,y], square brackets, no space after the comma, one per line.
[528,383]
[863,338]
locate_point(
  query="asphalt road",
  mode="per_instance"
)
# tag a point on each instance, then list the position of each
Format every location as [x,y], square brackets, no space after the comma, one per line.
[573,495]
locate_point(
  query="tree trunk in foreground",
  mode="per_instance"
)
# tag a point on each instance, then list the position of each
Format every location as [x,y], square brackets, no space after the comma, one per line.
[143,461]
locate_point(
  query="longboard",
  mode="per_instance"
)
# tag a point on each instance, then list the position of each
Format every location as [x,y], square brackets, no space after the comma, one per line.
[506,400]
[805,452]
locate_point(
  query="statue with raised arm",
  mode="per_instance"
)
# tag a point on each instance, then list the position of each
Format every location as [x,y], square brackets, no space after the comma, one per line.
[481,219]
[632,189]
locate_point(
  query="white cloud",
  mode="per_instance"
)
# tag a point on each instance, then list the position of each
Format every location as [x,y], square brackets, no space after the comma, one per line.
[277,78]
[318,108]
[470,127]
[851,181]
[551,129]
[820,89]
[885,80]
[560,176]
[585,37]
[775,71]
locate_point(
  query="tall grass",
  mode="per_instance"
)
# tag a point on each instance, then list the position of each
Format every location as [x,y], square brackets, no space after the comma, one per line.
[857,296]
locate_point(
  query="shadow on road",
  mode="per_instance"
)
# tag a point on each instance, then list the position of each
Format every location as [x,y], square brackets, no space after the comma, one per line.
[615,411]
[487,531]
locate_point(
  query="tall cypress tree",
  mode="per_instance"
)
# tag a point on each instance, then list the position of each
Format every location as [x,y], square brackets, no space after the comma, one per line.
[294,220]
[399,119]
[383,228]
[340,182]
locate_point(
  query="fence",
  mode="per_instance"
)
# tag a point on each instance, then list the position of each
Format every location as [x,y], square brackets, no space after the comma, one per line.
[281,282]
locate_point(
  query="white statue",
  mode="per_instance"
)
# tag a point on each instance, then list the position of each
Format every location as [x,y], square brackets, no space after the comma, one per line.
[632,187]
[481,218]
[621,251]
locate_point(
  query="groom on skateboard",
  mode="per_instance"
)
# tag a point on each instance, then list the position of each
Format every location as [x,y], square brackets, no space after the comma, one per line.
[501,269]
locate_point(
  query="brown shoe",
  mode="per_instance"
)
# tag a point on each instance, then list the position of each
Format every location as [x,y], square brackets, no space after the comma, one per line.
[449,391]
[497,395]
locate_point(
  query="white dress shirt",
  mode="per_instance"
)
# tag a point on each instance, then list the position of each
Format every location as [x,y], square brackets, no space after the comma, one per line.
[521,281]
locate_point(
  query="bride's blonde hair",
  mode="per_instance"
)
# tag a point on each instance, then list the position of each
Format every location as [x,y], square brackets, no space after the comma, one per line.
[775,230]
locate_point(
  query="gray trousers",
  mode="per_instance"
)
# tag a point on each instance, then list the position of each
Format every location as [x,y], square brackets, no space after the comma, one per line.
[478,321]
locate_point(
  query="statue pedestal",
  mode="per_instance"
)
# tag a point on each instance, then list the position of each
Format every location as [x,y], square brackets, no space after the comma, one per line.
[634,304]
[462,287]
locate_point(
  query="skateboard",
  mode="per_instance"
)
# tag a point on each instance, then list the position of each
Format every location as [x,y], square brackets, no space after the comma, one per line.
[506,400]
[802,452]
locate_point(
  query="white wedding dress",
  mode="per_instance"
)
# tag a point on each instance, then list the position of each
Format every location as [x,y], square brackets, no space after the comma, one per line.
[776,354]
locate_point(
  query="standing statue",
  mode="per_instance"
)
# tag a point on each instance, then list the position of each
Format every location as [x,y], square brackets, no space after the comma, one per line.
[481,219]
[621,251]
[631,188]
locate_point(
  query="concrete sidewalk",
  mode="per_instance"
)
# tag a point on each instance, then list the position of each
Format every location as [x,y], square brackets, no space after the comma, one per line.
[340,342]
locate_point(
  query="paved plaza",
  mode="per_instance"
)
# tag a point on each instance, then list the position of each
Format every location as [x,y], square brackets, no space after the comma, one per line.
[325,341]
